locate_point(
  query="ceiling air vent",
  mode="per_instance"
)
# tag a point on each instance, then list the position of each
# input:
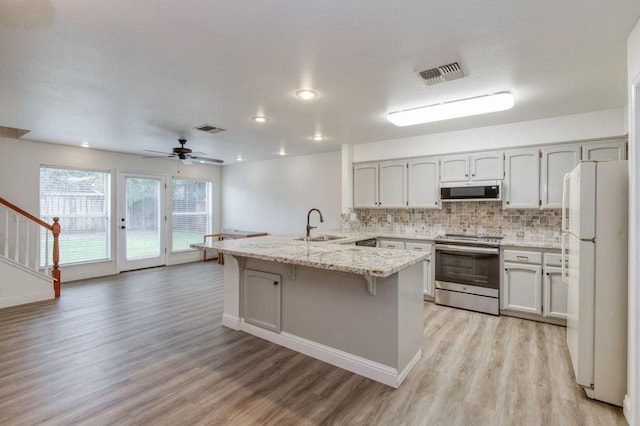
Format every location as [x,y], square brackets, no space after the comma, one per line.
[441,74]
[210,129]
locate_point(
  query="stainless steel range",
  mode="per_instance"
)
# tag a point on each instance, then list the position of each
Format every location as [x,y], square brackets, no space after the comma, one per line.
[468,272]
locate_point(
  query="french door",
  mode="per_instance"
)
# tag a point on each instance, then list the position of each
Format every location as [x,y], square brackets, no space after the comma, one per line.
[141,221]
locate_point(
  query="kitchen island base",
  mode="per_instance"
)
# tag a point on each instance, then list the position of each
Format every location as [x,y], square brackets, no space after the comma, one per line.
[329,315]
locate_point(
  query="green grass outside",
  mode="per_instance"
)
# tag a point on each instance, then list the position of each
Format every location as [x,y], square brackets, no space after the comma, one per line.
[74,248]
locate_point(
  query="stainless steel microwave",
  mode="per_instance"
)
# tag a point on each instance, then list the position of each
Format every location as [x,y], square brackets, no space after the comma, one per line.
[471,191]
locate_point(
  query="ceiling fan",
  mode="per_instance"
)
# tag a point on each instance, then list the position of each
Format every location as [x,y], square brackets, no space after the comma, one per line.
[186,155]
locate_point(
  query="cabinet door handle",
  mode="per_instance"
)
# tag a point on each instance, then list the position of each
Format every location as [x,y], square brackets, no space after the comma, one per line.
[276,283]
[523,257]
[473,175]
[507,203]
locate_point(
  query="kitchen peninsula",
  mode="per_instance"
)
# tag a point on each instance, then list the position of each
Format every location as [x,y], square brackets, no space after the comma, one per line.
[359,308]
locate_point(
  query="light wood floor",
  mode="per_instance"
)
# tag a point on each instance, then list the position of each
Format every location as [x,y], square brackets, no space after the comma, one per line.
[147,347]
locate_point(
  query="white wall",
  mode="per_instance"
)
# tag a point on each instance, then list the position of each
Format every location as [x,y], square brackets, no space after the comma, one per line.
[20,162]
[593,125]
[632,401]
[275,195]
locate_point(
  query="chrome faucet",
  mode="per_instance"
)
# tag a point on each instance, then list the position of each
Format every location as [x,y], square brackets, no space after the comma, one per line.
[309,227]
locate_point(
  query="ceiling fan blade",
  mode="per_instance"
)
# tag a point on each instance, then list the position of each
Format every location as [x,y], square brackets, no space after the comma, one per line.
[208,160]
[158,156]
[187,161]
[198,154]
[158,152]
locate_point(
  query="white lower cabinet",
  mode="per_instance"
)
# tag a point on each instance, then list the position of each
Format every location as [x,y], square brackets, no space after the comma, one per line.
[427,265]
[532,285]
[428,279]
[522,288]
[391,244]
[262,298]
[555,290]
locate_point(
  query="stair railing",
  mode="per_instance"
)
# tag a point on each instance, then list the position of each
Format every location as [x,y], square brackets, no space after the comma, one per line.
[16,241]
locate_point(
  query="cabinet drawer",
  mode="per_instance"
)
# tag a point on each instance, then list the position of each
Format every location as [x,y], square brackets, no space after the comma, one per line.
[553,259]
[523,256]
[390,244]
[421,247]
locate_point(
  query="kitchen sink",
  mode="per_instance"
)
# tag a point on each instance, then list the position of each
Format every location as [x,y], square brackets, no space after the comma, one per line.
[321,238]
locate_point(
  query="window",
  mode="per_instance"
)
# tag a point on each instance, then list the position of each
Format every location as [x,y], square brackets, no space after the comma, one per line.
[191,212]
[80,198]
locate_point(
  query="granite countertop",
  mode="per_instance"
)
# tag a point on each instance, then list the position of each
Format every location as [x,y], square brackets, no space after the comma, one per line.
[337,255]
[527,241]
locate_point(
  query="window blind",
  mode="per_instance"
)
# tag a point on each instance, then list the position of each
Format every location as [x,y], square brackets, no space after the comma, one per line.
[192,212]
[81,199]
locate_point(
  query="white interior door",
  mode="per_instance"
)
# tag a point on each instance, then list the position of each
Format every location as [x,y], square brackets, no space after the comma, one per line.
[141,221]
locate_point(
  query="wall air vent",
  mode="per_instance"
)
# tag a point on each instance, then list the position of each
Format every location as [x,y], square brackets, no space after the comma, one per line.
[441,74]
[210,129]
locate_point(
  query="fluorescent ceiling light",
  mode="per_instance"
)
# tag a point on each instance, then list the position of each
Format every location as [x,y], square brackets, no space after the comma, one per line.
[463,108]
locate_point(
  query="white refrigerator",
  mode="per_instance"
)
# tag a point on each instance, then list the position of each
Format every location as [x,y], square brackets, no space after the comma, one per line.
[594,250]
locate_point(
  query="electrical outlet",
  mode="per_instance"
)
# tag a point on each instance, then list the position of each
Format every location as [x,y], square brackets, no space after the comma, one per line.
[389,218]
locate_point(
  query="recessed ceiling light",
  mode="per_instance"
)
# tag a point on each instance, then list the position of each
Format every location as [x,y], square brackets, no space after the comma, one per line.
[318,138]
[260,119]
[282,152]
[239,158]
[85,144]
[463,108]
[306,94]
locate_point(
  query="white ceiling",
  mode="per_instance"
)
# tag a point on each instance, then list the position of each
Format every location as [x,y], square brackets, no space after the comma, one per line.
[134,75]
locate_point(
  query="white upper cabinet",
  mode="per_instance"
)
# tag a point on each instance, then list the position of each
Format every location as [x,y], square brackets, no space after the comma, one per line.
[365,185]
[605,150]
[556,162]
[454,168]
[380,184]
[522,179]
[393,184]
[423,187]
[487,166]
[479,166]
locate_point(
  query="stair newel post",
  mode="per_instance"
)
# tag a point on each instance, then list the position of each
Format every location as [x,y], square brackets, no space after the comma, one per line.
[55,230]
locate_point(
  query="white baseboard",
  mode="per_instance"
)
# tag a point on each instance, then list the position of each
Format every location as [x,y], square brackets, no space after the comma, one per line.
[405,372]
[29,298]
[626,408]
[231,321]
[356,364]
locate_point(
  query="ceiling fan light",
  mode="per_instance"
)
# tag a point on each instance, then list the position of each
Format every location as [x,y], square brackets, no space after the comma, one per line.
[445,111]
[306,94]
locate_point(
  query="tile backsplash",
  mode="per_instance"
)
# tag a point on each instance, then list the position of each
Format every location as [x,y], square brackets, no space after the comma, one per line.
[472,217]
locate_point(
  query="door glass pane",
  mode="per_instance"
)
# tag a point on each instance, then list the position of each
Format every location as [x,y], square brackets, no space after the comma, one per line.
[143,218]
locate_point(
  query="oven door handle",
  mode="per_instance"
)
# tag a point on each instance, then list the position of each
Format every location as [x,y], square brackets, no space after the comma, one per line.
[464,249]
